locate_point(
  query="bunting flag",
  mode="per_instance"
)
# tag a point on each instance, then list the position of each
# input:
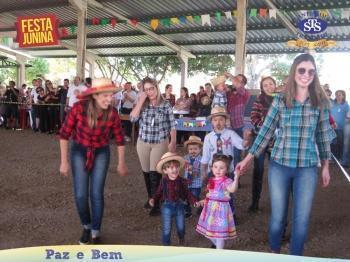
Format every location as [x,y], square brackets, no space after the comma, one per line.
[228,15]
[315,13]
[104,21]
[303,13]
[336,13]
[165,22]
[323,13]
[234,13]
[133,21]
[64,32]
[189,18]
[154,24]
[197,18]
[113,22]
[218,16]
[253,12]
[273,13]
[182,19]
[345,14]
[263,12]
[175,20]
[95,21]
[73,29]
[206,20]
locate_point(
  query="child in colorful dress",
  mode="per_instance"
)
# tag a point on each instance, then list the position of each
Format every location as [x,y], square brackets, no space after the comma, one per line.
[192,169]
[172,192]
[216,221]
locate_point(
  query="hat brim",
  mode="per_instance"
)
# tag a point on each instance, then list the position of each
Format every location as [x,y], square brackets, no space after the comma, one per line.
[218,114]
[189,142]
[95,90]
[160,164]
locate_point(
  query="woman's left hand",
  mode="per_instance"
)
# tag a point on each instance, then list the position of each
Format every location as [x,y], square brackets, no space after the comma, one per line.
[122,169]
[172,147]
[325,176]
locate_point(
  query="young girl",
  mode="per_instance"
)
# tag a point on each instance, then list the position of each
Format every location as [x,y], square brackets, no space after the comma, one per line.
[216,220]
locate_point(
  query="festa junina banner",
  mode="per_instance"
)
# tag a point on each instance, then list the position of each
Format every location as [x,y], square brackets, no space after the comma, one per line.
[130,253]
[37,30]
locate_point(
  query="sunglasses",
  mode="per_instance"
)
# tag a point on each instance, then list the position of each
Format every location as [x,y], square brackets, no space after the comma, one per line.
[311,72]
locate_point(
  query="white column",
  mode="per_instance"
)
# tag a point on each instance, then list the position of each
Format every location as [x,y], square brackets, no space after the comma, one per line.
[81,7]
[21,72]
[184,68]
[241,30]
[92,66]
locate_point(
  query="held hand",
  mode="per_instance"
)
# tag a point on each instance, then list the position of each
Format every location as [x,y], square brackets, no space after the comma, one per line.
[241,167]
[142,96]
[172,147]
[197,204]
[151,202]
[201,202]
[122,169]
[325,177]
[64,168]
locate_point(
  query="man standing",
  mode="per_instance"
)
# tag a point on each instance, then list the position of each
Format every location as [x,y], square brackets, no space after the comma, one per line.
[237,99]
[11,97]
[62,95]
[73,91]
[129,100]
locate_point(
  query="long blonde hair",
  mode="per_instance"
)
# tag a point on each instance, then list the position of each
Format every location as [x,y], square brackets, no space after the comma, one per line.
[92,112]
[160,98]
[318,96]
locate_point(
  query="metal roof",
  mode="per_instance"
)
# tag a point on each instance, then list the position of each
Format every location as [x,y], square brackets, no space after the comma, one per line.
[264,35]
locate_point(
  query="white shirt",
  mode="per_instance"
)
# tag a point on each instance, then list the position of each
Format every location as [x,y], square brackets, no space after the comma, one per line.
[34,94]
[127,104]
[73,92]
[230,140]
[118,96]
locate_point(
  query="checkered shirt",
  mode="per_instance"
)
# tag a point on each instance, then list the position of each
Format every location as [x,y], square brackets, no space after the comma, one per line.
[219,99]
[156,122]
[195,177]
[302,129]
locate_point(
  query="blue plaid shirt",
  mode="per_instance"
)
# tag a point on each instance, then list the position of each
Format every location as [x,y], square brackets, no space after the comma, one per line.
[195,177]
[302,128]
[156,122]
[220,99]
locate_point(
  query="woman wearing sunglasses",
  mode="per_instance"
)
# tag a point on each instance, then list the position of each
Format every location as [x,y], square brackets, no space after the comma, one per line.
[302,114]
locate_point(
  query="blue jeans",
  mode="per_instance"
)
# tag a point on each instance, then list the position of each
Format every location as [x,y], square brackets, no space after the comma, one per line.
[237,152]
[96,177]
[196,192]
[302,182]
[172,210]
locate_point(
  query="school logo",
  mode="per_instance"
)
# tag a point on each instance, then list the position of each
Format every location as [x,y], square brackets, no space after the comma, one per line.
[312,25]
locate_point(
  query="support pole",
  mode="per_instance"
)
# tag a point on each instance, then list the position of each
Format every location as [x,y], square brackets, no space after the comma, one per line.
[184,68]
[21,72]
[241,31]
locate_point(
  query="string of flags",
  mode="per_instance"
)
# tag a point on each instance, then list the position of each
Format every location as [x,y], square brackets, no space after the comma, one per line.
[192,124]
[207,19]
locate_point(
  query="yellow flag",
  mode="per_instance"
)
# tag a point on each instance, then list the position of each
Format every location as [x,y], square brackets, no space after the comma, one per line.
[154,24]
[234,13]
[175,20]
[189,18]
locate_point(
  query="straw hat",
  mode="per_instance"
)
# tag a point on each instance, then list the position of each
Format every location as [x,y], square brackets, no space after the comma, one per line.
[100,85]
[218,111]
[169,157]
[218,80]
[193,140]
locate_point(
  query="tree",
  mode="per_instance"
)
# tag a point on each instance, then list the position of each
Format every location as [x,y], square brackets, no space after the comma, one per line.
[39,66]
[211,64]
[114,68]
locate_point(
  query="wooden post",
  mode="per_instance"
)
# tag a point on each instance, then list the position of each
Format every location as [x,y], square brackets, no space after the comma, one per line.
[241,30]
[184,69]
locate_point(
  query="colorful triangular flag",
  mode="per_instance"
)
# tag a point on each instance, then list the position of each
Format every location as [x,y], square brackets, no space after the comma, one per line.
[218,16]
[228,15]
[273,13]
[263,12]
[154,24]
[175,20]
[206,20]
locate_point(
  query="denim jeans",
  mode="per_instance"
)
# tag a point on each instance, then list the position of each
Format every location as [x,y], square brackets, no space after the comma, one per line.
[346,148]
[258,173]
[172,210]
[93,180]
[302,182]
[196,192]
[237,152]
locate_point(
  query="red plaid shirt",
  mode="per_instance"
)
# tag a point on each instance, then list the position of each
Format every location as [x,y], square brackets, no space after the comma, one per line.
[174,190]
[236,102]
[91,138]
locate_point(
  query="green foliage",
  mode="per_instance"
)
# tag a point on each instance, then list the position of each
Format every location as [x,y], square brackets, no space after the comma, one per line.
[39,66]
[7,74]
[211,64]
[115,68]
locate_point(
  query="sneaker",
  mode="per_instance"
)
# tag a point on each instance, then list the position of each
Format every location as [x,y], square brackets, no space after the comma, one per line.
[96,241]
[85,237]
[127,139]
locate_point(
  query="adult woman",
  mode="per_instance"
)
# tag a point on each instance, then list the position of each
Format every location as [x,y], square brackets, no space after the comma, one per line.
[183,104]
[157,122]
[302,114]
[91,121]
[53,111]
[339,111]
[168,94]
[257,116]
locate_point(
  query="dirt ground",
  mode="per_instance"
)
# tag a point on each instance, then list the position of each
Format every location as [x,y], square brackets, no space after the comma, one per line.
[37,207]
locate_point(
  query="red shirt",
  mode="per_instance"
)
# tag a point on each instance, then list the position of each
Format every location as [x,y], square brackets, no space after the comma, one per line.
[174,190]
[236,102]
[91,138]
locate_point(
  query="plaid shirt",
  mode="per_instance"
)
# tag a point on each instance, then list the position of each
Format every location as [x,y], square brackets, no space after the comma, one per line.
[301,128]
[236,102]
[194,177]
[156,122]
[220,99]
[173,191]
[97,137]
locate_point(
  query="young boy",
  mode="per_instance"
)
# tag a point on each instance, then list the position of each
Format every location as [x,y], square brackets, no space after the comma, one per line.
[220,98]
[220,141]
[172,192]
[192,169]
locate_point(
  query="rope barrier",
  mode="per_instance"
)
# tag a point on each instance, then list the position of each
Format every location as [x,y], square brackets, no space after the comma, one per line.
[27,104]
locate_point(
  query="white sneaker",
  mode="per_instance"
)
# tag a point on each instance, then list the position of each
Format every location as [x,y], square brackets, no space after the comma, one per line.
[127,139]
